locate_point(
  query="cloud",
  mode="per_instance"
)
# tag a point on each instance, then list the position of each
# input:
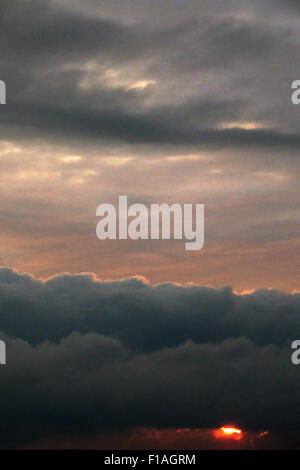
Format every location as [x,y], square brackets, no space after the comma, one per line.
[71,76]
[172,438]
[290,4]
[85,356]
[144,318]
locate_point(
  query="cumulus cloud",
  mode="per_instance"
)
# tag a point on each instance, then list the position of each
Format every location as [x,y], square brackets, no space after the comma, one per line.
[144,318]
[86,356]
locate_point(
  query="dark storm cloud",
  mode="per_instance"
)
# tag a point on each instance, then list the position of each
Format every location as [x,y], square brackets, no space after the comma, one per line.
[133,355]
[143,317]
[39,41]
[35,30]
[140,128]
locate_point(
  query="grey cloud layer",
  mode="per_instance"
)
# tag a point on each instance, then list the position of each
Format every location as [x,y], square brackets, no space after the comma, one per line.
[143,317]
[125,354]
[40,41]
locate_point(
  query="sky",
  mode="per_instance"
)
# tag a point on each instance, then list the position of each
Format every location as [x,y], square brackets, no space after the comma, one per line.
[180,101]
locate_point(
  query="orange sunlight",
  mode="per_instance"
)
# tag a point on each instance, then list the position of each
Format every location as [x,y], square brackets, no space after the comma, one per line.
[228,431]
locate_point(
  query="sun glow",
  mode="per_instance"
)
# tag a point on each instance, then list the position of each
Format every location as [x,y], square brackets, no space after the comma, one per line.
[228,431]
[248,126]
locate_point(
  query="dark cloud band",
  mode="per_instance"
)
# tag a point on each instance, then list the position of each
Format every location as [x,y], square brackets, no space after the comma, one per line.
[85,356]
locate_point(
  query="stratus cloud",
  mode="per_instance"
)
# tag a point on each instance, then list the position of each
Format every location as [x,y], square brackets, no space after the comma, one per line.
[49,51]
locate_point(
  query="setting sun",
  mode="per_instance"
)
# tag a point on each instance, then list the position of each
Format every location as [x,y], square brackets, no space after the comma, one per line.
[228,431]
